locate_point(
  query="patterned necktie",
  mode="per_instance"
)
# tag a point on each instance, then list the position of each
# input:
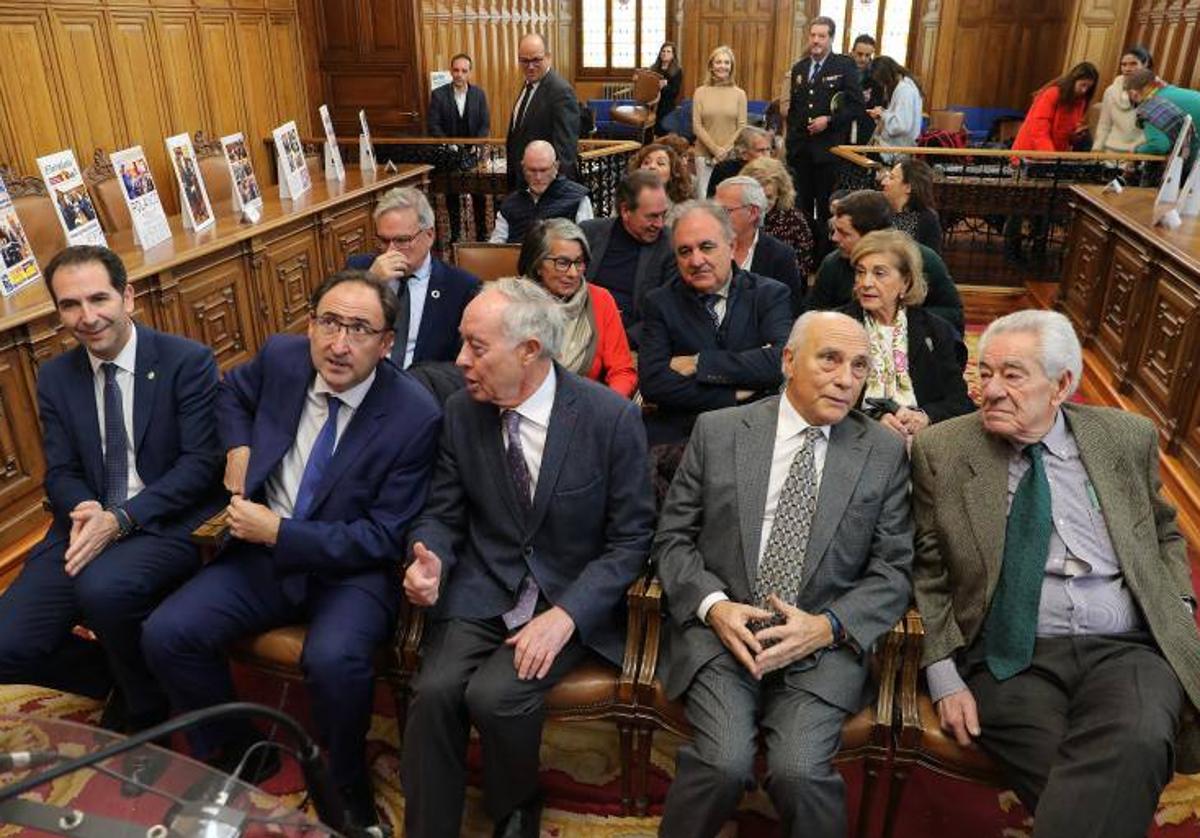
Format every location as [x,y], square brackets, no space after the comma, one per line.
[526,95]
[782,563]
[318,460]
[116,444]
[1011,625]
[400,345]
[518,469]
[813,70]
[710,306]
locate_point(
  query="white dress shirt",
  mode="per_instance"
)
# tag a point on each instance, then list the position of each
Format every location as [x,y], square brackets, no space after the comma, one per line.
[418,286]
[460,100]
[749,260]
[535,424]
[284,482]
[126,363]
[789,436]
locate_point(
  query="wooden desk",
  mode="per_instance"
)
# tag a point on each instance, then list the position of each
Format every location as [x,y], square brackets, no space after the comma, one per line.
[1133,293]
[229,287]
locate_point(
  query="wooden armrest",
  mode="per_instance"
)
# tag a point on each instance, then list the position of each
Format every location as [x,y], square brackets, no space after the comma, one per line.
[651,606]
[634,639]
[910,679]
[889,657]
[213,532]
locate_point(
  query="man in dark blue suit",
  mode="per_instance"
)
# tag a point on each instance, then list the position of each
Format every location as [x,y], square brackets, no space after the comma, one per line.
[432,294]
[459,109]
[132,461]
[539,518]
[328,455]
[754,249]
[714,336]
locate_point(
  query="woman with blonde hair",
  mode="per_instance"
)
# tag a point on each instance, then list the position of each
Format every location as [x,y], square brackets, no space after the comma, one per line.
[917,358]
[783,220]
[718,114]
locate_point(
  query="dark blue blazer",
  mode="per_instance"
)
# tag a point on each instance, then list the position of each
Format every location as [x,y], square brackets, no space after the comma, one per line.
[449,291]
[174,429]
[588,533]
[374,486]
[777,260]
[746,353]
[443,112]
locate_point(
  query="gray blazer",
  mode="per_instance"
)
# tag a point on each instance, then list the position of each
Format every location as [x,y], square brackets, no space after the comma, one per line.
[859,552]
[656,267]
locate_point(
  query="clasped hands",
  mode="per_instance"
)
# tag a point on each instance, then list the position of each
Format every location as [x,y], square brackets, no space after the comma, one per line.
[249,521]
[535,645]
[92,529]
[906,422]
[771,648]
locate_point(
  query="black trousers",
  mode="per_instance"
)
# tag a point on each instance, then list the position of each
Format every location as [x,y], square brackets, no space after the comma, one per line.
[467,678]
[1086,733]
[814,180]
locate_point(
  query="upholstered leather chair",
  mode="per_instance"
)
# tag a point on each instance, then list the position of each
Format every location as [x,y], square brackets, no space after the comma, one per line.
[952,121]
[214,171]
[39,217]
[104,187]
[641,114]
[486,260]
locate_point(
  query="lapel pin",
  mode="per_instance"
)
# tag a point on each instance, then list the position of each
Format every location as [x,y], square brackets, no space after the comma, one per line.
[435,293]
[150,375]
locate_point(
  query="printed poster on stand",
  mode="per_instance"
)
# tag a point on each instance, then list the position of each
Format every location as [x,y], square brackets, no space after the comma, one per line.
[294,179]
[334,170]
[141,195]
[18,267]
[197,211]
[366,151]
[75,213]
[247,196]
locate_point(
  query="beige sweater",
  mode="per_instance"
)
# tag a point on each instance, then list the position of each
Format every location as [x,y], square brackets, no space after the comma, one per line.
[718,113]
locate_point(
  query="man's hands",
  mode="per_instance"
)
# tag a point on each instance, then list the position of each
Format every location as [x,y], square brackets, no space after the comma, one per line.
[875,112]
[905,422]
[728,619]
[236,462]
[539,641]
[959,716]
[92,529]
[252,521]
[423,576]
[772,648]
[685,364]
[389,265]
[818,124]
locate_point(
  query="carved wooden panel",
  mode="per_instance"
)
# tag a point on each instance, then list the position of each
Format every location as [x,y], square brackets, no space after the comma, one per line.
[223,71]
[1169,31]
[184,73]
[84,59]
[287,74]
[293,269]
[34,113]
[1120,312]
[1167,354]
[348,233]
[262,111]
[763,49]
[1082,289]
[21,464]
[217,311]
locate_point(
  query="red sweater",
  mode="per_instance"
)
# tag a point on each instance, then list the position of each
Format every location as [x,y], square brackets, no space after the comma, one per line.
[613,365]
[1048,125]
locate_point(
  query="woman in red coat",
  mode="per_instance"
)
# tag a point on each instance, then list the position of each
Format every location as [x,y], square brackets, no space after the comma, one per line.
[555,254]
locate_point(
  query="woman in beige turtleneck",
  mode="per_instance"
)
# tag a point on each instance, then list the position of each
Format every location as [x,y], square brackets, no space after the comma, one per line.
[718,114]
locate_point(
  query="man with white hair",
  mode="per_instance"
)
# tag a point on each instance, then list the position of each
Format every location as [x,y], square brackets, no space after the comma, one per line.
[754,249]
[1055,589]
[544,193]
[539,519]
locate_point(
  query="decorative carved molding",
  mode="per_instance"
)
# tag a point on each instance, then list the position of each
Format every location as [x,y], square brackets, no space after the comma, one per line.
[206,146]
[22,186]
[100,170]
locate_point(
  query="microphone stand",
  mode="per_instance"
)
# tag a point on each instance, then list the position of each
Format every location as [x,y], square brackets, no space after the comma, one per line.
[326,799]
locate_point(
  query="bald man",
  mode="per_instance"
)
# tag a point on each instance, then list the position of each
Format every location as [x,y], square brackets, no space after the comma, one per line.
[544,194]
[545,109]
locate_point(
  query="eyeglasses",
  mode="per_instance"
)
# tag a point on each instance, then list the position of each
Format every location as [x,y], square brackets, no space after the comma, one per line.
[530,62]
[732,210]
[399,241]
[563,264]
[330,326]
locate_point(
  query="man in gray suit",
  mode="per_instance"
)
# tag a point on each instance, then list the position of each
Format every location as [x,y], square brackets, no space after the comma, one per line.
[772,619]
[631,252]
[527,552]
[1055,589]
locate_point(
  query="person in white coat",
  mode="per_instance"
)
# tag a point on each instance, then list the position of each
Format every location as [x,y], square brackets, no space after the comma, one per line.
[1118,129]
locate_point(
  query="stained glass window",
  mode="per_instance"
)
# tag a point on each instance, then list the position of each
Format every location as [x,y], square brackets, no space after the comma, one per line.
[618,35]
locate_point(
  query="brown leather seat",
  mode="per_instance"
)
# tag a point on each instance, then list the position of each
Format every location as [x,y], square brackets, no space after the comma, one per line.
[105,188]
[214,171]
[487,261]
[952,121]
[38,215]
[646,92]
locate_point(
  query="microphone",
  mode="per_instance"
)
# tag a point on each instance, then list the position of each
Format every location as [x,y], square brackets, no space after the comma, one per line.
[18,760]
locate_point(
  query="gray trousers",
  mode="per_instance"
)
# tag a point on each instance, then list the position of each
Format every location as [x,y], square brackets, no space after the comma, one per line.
[727,709]
[1086,733]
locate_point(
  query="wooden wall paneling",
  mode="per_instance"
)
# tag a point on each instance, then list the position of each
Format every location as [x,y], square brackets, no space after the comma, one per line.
[183,71]
[763,55]
[287,66]
[1169,30]
[348,232]
[1098,35]
[224,75]
[292,268]
[260,107]
[22,465]
[85,64]
[216,309]
[1121,312]
[33,108]
[1082,290]
[142,90]
[1167,352]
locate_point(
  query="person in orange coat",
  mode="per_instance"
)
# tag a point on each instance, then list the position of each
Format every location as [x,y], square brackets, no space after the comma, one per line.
[555,254]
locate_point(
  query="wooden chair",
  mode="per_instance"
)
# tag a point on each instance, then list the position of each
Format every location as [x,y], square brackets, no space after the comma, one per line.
[105,189]
[486,260]
[952,121]
[920,740]
[214,170]
[39,216]
[867,735]
[641,114]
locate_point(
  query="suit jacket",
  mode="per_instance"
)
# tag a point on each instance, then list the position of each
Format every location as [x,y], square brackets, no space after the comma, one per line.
[837,83]
[588,533]
[856,564]
[371,490]
[443,112]
[744,354]
[960,480]
[553,116]
[656,266]
[936,360]
[174,435]
[774,259]
[449,291]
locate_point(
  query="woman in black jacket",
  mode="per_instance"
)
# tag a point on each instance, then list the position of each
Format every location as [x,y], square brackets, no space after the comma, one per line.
[667,66]
[908,186]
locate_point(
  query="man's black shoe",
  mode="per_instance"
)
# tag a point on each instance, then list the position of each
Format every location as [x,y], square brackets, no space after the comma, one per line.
[522,822]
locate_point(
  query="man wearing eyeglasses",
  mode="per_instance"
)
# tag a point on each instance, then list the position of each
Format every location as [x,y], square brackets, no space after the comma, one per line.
[754,249]
[544,194]
[545,109]
[431,294]
[328,457]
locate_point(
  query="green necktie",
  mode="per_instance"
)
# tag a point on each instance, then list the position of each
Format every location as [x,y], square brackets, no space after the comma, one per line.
[1011,624]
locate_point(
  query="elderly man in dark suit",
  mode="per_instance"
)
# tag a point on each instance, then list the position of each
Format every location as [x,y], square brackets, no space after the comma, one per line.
[540,517]
[826,99]
[712,337]
[431,294]
[631,252]
[784,549]
[132,460]
[1055,589]
[754,249]
[459,109]
[546,109]
[328,457]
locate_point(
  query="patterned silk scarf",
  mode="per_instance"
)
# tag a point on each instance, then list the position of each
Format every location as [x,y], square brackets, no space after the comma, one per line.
[889,378]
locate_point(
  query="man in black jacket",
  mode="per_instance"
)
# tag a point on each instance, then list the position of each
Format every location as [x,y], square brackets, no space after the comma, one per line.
[753,249]
[459,109]
[546,109]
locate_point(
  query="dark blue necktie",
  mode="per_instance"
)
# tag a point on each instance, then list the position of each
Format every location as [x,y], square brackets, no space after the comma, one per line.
[517,467]
[318,460]
[710,305]
[116,445]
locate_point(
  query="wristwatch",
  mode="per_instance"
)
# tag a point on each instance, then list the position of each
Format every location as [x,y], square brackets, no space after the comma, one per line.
[839,633]
[125,523]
